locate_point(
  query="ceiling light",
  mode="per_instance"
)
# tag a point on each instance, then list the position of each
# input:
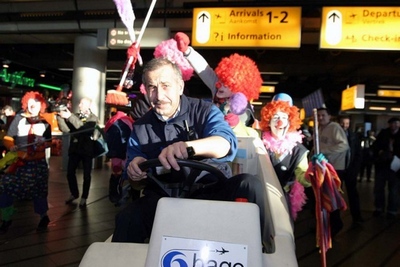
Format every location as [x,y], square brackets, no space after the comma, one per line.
[42,73]
[389,86]
[270,82]
[271,72]
[381,101]
[6,64]
[395,109]
[377,108]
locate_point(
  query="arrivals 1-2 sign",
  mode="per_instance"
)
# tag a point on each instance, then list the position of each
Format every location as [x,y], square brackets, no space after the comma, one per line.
[366,28]
[247,27]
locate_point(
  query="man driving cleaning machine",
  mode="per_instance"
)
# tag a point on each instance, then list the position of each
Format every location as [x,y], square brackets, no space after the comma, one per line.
[162,133]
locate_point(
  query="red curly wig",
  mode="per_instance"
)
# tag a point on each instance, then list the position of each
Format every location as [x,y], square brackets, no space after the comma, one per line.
[270,109]
[240,74]
[35,95]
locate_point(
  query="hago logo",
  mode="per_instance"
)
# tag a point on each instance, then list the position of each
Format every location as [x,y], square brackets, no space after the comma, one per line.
[174,257]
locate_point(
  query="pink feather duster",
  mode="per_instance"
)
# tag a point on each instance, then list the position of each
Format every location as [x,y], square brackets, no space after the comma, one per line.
[169,49]
[127,16]
[297,199]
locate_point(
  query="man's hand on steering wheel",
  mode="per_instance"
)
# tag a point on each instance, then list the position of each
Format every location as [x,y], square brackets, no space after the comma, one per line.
[172,152]
[133,170]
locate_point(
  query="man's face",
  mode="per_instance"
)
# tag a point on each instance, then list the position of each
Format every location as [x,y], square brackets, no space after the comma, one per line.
[279,124]
[323,117]
[34,107]
[8,112]
[345,123]
[164,89]
[222,90]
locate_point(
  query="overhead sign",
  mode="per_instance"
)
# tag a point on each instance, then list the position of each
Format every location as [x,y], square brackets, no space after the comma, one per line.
[353,97]
[118,38]
[366,28]
[247,27]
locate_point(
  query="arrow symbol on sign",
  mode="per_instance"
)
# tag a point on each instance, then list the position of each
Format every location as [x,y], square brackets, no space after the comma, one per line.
[203,17]
[334,16]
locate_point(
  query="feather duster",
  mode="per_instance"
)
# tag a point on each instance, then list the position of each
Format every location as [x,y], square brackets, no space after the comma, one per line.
[127,16]
[297,199]
[169,49]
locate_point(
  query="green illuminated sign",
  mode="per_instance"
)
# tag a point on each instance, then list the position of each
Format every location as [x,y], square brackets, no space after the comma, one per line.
[16,77]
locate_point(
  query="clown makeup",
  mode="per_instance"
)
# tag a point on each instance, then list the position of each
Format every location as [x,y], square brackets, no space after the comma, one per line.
[279,124]
[222,90]
[33,107]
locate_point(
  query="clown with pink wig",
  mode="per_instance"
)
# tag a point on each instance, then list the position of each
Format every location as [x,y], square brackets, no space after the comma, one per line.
[233,84]
[280,121]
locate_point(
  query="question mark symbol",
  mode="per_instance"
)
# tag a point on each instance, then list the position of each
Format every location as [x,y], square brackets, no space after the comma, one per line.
[216,34]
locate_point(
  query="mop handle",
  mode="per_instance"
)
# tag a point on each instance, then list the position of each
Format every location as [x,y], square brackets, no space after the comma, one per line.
[146,21]
[316,134]
[121,82]
[140,36]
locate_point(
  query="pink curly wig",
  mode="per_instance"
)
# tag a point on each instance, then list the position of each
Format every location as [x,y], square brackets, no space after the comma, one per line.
[240,74]
[268,111]
[169,49]
[33,95]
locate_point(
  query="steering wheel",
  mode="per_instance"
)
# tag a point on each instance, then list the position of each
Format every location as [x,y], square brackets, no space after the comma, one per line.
[188,184]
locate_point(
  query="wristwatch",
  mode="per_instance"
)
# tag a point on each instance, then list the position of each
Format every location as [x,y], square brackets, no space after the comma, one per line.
[190,151]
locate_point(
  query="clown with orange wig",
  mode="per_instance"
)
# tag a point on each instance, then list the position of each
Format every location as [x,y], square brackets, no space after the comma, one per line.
[233,84]
[28,136]
[280,121]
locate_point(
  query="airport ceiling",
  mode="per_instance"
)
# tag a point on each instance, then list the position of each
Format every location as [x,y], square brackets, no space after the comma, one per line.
[38,35]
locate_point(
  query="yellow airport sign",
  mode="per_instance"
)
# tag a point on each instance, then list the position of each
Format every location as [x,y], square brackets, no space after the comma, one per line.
[353,97]
[247,27]
[388,93]
[365,28]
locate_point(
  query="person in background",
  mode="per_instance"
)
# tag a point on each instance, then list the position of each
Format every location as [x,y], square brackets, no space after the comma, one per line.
[353,163]
[387,145]
[233,84]
[81,127]
[179,127]
[117,131]
[334,145]
[8,115]
[367,156]
[28,136]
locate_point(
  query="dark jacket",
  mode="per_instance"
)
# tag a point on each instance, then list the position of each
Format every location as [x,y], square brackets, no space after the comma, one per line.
[117,138]
[383,152]
[155,135]
[81,129]
[354,158]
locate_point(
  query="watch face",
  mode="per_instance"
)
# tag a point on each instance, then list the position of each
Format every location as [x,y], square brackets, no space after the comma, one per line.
[190,151]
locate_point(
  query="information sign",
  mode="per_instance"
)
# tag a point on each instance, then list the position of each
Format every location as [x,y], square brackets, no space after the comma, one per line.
[353,97]
[247,27]
[366,28]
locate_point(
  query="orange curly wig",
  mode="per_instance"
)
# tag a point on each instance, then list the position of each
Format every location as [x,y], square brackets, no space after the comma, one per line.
[268,111]
[240,74]
[35,95]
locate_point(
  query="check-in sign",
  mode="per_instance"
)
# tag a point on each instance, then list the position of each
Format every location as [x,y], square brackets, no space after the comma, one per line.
[366,28]
[247,27]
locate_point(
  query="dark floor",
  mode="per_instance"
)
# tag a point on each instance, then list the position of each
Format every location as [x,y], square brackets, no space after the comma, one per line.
[374,243]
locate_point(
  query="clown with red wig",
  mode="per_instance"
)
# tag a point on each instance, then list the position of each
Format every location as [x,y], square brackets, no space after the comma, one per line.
[28,136]
[280,121]
[233,84]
